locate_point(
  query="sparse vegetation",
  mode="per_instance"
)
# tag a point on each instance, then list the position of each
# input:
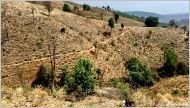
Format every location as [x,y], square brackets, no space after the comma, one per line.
[66,8]
[122,25]
[116,82]
[111,23]
[49,7]
[139,75]
[44,77]
[28,44]
[172,23]
[63,74]
[182,69]
[184,28]
[86,7]
[169,67]
[19,73]
[151,21]
[116,17]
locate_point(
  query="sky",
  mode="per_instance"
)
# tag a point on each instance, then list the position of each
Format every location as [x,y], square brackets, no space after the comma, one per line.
[160,7]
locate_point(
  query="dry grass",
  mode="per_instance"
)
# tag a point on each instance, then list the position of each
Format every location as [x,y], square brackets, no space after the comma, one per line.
[161,93]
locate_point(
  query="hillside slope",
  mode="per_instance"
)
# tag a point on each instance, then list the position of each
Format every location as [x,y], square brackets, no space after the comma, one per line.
[25,42]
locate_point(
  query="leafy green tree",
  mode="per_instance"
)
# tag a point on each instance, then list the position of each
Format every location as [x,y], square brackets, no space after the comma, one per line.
[151,21]
[169,67]
[66,8]
[116,17]
[84,77]
[86,7]
[111,23]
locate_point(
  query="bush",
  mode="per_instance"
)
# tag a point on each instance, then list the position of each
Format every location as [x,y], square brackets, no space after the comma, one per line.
[169,67]
[66,8]
[82,81]
[86,7]
[116,17]
[151,21]
[139,79]
[122,25]
[111,23]
[134,65]
[70,85]
[182,69]
[84,78]
[64,72]
[172,23]
[44,76]
[116,82]
[139,74]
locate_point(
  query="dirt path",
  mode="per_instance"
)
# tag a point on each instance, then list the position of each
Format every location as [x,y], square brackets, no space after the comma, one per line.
[44,58]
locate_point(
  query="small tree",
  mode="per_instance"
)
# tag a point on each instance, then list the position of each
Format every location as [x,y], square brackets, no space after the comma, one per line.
[122,25]
[49,7]
[86,7]
[151,21]
[111,23]
[66,8]
[169,67]
[84,77]
[116,18]
[108,8]
[184,28]
[172,23]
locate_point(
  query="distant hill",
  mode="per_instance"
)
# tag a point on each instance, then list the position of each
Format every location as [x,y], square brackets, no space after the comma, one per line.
[162,18]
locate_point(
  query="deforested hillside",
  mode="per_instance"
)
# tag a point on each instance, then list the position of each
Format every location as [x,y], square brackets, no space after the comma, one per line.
[27,31]
[24,41]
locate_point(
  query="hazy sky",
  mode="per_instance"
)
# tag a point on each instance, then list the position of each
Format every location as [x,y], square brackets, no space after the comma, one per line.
[160,7]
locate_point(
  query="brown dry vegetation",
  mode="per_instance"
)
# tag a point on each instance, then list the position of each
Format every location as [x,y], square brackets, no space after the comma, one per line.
[25,46]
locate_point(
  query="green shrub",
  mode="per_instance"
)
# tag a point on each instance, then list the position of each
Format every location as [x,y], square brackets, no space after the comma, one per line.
[182,69]
[84,78]
[151,21]
[66,8]
[116,82]
[139,74]
[111,23]
[70,85]
[86,7]
[169,67]
[82,81]
[64,72]
[44,76]
[139,79]
[134,65]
